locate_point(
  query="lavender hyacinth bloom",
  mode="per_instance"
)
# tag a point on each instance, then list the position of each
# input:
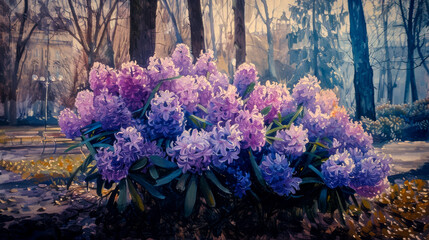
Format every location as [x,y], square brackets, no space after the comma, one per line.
[278,175]
[102,76]
[182,59]
[111,166]
[205,91]
[186,89]
[251,124]
[370,173]
[165,118]
[111,111]
[134,85]
[219,81]
[245,75]
[129,146]
[192,151]
[327,100]
[224,105]
[239,181]
[267,95]
[85,106]
[69,123]
[336,170]
[305,91]
[225,142]
[205,64]
[160,69]
[294,140]
[317,123]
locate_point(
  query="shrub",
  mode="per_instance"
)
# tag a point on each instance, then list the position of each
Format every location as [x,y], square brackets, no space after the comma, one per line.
[400,122]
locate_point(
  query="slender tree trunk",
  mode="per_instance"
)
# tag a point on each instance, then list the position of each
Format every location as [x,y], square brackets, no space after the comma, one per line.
[173,21]
[380,93]
[385,13]
[410,70]
[197,27]
[315,42]
[271,64]
[212,30]
[363,74]
[142,30]
[410,31]
[240,33]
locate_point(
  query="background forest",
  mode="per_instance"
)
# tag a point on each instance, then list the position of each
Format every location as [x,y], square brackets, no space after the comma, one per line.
[286,40]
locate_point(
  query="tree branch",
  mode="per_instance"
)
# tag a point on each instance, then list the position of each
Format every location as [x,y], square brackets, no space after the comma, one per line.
[79,30]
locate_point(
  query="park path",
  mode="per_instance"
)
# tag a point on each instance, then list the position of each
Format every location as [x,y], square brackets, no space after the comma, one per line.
[407,155]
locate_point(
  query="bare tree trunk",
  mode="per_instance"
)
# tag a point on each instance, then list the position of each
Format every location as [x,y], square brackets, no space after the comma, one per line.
[410,29]
[21,44]
[212,31]
[142,30]
[380,92]
[385,13]
[363,82]
[197,27]
[267,21]
[240,33]
[315,42]
[173,21]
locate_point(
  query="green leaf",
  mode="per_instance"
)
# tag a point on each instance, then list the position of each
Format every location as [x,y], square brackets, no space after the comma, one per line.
[207,192]
[200,119]
[202,108]
[315,170]
[276,129]
[135,197]
[92,177]
[91,127]
[307,180]
[269,126]
[313,155]
[161,162]
[279,116]
[70,180]
[123,195]
[323,200]
[153,172]
[275,139]
[170,177]
[112,197]
[210,175]
[341,208]
[139,164]
[355,201]
[87,161]
[87,140]
[182,182]
[191,196]
[257,170]
[100,183]
[151,189]
[266,110]
[152,94]
[278,123]
[319,144]
[249,89]
[295,116]
[104,145]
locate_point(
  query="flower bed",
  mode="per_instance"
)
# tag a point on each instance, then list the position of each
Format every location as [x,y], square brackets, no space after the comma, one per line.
[181,129]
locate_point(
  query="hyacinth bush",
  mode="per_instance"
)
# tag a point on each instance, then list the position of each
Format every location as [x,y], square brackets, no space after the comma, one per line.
[187,128]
